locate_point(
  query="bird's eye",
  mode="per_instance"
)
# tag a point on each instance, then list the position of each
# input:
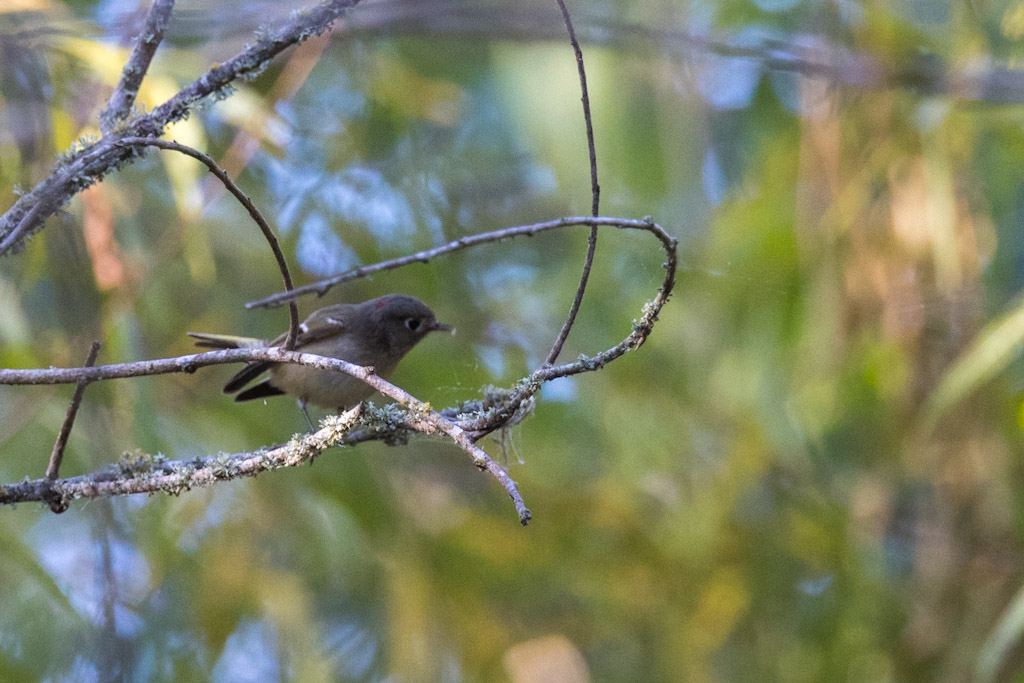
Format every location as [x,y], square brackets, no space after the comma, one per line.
[412,323]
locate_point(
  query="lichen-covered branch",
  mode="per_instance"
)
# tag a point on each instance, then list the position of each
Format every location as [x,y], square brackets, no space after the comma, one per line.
[420,418]
[121,100]
[90,160]
[142,473]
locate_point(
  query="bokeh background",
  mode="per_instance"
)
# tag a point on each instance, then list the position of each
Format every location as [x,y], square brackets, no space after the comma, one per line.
[811,471]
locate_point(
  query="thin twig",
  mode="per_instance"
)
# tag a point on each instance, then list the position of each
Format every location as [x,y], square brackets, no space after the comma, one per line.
[321,287]
[123,97]
[428,421]
[188,363]
[53,468]
[595,190]
[291,78]
[94,160]
[275,246]
[57,503]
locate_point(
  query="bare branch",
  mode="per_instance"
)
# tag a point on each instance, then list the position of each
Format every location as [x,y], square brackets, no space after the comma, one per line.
[275,246]
[53,468]
[94,160]
[595,190]
[123,97]
[321,287]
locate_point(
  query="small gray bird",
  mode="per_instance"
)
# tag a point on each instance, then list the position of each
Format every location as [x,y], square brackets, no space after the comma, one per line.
[377,332]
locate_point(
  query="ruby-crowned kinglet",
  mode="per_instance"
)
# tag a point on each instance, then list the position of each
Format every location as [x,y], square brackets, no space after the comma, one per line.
[377,332]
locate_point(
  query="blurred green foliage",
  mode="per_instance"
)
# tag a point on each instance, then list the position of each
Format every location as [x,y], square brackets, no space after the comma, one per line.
[811,471]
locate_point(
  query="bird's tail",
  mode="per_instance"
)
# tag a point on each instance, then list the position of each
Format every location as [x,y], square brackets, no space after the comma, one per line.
[247,374]
[225,341]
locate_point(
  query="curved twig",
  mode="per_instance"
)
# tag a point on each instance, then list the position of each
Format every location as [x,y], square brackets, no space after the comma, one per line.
[321,287]
[275,245]
[595,190]
[526,388]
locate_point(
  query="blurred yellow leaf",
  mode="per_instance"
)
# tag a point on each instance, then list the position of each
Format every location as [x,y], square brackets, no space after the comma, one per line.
[249,112]
[722,602]
[105,60]
[65,130]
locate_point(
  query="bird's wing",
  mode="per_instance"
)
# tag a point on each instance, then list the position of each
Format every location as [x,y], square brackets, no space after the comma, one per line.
[321,324]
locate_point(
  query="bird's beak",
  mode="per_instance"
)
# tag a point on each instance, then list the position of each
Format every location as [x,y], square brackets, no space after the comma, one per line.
[442,327]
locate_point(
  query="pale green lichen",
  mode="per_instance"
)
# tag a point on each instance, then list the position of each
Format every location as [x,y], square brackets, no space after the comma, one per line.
[389,422]
[137,462]
[332,432]
[498,407]
[76,149]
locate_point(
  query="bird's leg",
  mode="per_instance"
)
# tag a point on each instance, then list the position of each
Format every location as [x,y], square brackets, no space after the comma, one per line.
[305,413]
